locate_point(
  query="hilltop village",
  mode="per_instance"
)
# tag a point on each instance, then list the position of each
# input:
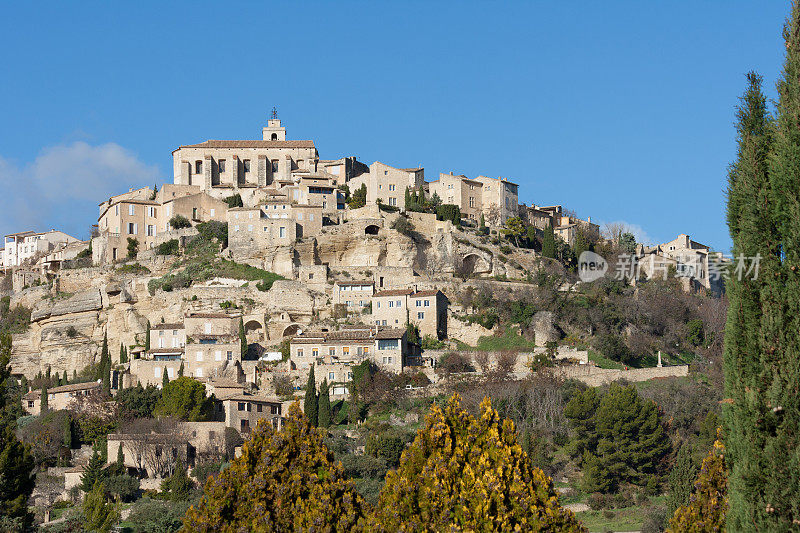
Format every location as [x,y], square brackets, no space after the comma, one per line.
[263,268]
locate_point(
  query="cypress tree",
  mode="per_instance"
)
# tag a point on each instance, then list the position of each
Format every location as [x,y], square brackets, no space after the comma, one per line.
[147,338]
[23,383]
[761,371]
[64,379]
[242,338]
[105,358]
[123,354]
[681,479]
[549,243]
[310,402]
[16,463]
[164,379]
[324,405]
[120,456]
[44,404]
[93,472]
[180,370]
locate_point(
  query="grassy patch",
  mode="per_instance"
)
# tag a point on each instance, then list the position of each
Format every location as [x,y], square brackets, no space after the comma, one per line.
[625,519]
[601,361]
[134,268]
[509,340]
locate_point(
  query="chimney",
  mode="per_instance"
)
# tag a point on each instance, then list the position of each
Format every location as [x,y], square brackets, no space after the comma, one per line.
[589,220]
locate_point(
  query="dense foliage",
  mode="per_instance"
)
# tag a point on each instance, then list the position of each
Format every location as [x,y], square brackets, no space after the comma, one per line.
[620,437]
[283,481]
[762,338]
[185,399]
[708,504]
[466,473]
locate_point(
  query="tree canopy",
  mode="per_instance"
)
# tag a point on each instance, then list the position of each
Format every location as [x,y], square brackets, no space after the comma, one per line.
[284,480]
[185,399]
[463,473]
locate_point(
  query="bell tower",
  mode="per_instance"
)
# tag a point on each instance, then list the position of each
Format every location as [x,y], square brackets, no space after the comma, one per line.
[274,131]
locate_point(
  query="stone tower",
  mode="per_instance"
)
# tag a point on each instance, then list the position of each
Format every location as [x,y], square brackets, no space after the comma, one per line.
[274,131]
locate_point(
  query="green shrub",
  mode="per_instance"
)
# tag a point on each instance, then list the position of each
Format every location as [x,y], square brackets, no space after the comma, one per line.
[449,212]
[179,222]
[234,201]
[170,247]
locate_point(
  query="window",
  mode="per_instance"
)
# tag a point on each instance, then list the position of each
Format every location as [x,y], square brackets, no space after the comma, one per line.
[399,303]
[241,406]
[171,373]
[246,163]
[151,230]
[200,372]
[427,303]
[221,165]
[230,355]
[152,212]
[274,165]
[299,352]
[213,211]
[116,209]
[332,351]
[236,227]
[385,172]
[366,350]
[311,217]
[199,356]
[30,404]
[349,375]
[378,304]
[331,376]
[259,407]
[131,210]
[208,328]
[282,232]
[131,228]
[391,186]
[218,355]
[157,372]
[245,425]
[346,350]
[198,167]
[249,227]
[419,303]
[391,303]
[420,315]
[471,201]
[314,352]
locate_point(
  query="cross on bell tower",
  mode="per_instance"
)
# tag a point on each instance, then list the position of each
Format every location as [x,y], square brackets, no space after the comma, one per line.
[274,131]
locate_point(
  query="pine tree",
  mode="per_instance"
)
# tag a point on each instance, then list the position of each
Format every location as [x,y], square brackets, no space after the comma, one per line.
[310,402]
[549,243]
[44,404]
[762,408]
[98,514]
[708,504]
[324,405]
[93,471]
[465,473]
[283,480]
[147,338]
[681,479]
[243,338]
[164,379]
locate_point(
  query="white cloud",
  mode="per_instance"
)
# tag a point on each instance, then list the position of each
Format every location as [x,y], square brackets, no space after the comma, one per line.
[63,185]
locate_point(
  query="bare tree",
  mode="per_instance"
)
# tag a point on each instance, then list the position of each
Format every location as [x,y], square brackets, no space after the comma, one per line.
[482,360]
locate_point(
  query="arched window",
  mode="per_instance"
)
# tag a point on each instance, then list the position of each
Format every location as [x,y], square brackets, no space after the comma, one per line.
[274,136]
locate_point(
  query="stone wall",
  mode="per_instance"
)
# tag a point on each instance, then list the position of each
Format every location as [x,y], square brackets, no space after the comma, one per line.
[595,377]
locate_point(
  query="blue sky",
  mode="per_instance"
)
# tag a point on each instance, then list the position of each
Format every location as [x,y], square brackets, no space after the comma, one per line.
[622,111]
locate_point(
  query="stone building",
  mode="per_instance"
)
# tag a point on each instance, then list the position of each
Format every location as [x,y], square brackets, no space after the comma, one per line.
[242,411]
[224,168]
[29,246]
[388,184]
[495,198]
[386,347]
[354,295]
[694,263]
[58,398]
[425,309]
[145,215]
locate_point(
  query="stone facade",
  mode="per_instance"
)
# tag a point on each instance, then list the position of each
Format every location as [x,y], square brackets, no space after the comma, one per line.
[425,309]
[386,347]
[495,198]
[29,246]
[388,184]
[58,398]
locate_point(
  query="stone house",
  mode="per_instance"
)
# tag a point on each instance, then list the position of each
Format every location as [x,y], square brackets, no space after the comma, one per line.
[242,411]
[354,295]
[274,223]
[58,398]
[144,215]
[695,264]
[388,184]
[386,347]
[425,309]
[167,335]
[495,198]
[28,246]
